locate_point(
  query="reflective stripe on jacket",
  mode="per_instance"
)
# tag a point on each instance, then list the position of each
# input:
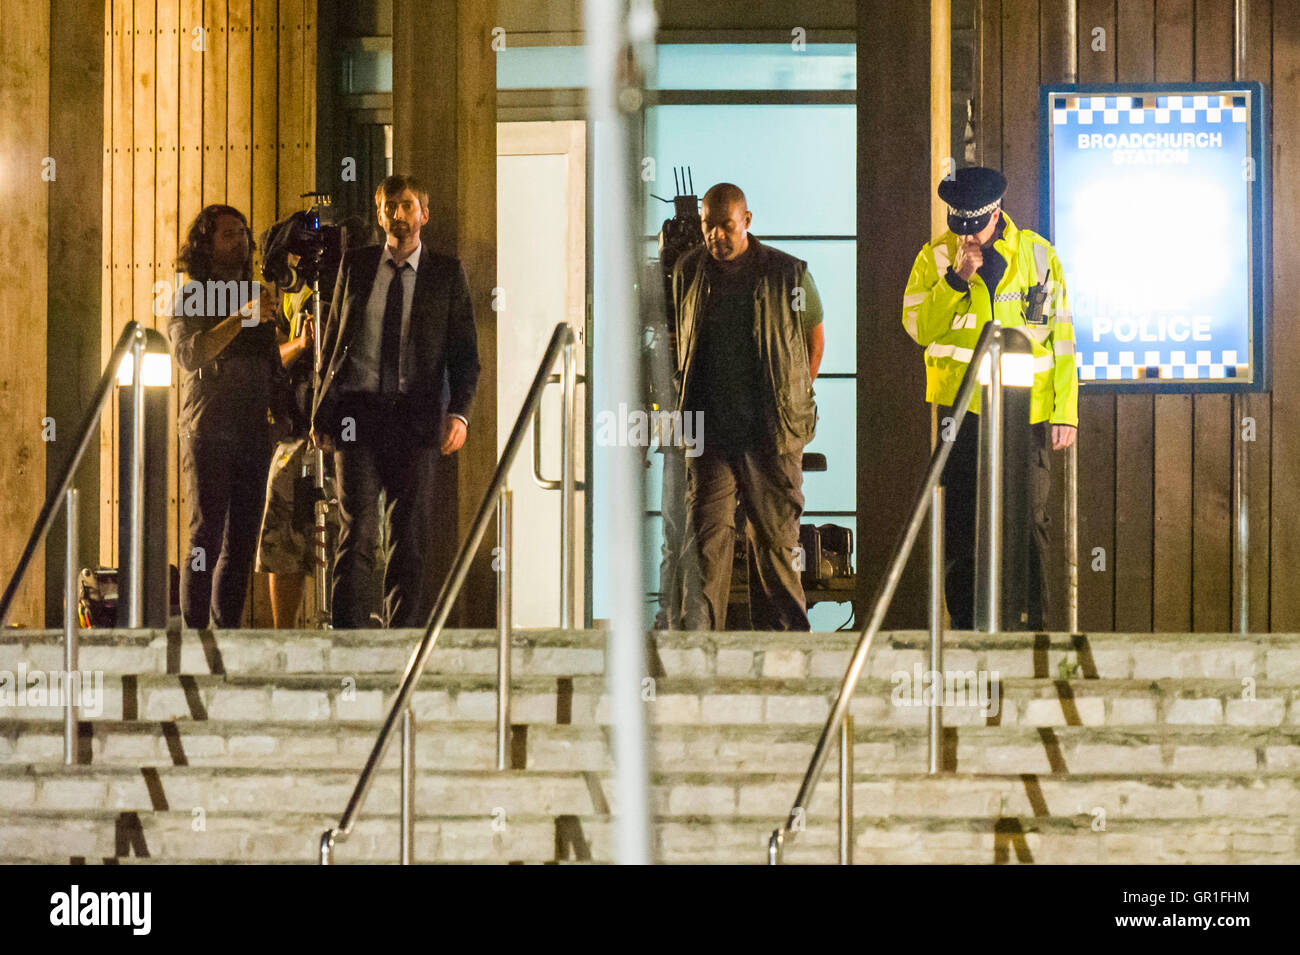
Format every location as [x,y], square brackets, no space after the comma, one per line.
[948,322]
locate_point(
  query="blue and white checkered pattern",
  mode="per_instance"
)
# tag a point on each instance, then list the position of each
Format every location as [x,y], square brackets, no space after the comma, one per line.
[1181,365]
[1159,110]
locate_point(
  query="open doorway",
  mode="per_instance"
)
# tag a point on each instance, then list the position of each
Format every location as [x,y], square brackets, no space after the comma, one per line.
[541,281]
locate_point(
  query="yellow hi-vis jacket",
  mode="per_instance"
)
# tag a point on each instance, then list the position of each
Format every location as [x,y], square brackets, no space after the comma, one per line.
[948,322]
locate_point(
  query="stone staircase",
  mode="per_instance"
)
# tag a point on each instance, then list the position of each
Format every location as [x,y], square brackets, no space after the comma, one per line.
[244,746]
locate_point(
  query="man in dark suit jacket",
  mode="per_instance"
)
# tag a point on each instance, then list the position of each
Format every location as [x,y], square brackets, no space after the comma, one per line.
[399,365]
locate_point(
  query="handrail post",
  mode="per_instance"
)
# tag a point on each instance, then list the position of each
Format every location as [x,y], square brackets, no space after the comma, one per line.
[408,786]
[451,587]
[846,791]
[54,499]
[1072,534]
[568,425]
[320,510]
[936,628]
[505,545]
[880,605]
[988,563]
[70,632]
[1241,509]
[135,552]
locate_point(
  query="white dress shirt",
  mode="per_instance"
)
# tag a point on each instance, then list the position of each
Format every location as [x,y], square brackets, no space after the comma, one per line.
[369,343]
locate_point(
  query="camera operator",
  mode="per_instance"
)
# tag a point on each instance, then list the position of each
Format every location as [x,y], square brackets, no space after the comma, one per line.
[296,253]
[284,550]
[228,360]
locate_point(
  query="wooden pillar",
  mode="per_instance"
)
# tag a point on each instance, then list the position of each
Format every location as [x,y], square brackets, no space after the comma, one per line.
[1257,65]
[202,103]
[1285,91]
[1212,512]
[444,132]
[894,198]
[24,204]
[1056,61]
[1098,587]
[1172,592]
[73,360]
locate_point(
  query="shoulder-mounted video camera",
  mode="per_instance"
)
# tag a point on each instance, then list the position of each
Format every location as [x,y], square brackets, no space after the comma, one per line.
[304,248]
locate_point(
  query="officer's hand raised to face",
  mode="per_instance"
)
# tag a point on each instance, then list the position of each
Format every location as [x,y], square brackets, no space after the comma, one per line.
[969,258]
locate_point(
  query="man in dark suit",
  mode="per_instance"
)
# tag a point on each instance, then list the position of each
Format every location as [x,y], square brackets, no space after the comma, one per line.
[399,365]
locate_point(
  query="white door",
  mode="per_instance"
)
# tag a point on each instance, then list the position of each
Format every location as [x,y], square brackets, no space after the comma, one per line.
[541,278]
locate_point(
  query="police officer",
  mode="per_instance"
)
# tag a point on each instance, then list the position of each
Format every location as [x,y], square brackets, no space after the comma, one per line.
[986,269]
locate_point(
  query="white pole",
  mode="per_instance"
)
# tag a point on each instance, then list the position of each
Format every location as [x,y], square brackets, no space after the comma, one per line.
[617,377]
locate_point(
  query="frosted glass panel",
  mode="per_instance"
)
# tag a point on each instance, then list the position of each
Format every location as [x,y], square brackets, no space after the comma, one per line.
[367,71]
[653,542]
[834,267]
[654,480]
[795,163]
[834,489]
[694,66]
[757,66]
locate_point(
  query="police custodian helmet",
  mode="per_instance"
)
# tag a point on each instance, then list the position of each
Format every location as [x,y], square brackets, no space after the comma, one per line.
[972,195]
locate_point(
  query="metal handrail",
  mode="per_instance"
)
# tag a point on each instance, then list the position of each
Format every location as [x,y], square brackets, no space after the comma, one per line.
[563,337]
[989,343]
[133,333]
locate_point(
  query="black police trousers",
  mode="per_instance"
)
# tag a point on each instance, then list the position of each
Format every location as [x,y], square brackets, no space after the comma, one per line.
[1025,528]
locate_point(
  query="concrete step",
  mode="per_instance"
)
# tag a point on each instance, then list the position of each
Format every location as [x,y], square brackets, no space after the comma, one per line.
[62,836]
[583,699]
[245,745]
[1264,657]
[318,744]
[491,795]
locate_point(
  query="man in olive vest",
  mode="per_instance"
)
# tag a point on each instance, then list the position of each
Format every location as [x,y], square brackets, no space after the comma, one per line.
[749,342]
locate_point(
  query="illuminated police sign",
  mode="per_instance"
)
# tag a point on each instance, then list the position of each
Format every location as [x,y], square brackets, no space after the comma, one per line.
[1154,199]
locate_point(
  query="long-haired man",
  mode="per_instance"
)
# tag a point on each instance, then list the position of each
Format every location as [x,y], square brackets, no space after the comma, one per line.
[223,336]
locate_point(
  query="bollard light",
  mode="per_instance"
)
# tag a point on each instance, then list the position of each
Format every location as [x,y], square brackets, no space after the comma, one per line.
[1017,361]
[144,580]
[1002,499]
[157,368]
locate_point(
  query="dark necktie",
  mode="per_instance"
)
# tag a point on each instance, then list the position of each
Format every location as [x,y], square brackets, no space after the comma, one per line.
[390,351]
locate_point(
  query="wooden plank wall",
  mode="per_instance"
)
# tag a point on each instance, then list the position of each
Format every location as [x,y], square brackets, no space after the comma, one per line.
[444,132]
[204,101]
[1156,493]
[24,199]
[72,360]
